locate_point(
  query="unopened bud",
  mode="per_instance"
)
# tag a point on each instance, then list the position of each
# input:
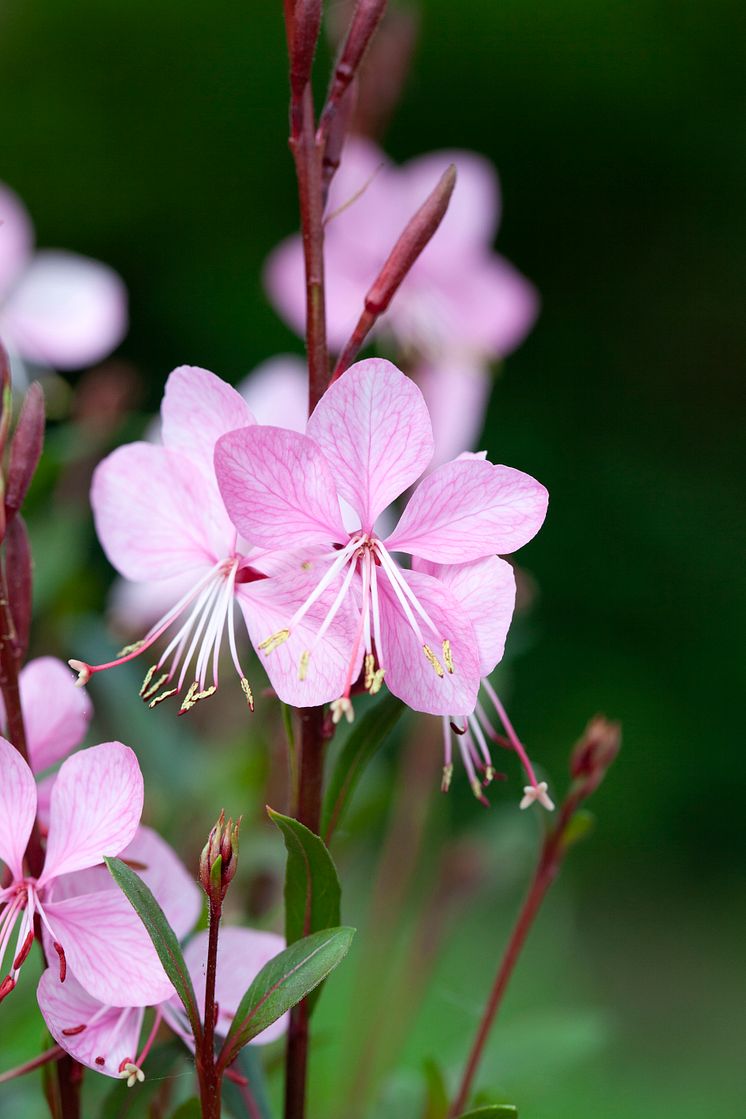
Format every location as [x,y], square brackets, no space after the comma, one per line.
[306,24]
[25,448]
[594,753]
[219,858]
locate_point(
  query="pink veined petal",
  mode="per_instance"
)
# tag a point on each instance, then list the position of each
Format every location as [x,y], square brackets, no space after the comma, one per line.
[409,675]
[197,409]
[66,311]
[242,953]
[96,806]
[103,1045]
[456,391]
[278,488]
[467,509]
[374,429]
[108,950]
[276,392]
[17,807]
[57,714]
[16,238]
[491,306]
[485,590]
[156,515]
[269,604]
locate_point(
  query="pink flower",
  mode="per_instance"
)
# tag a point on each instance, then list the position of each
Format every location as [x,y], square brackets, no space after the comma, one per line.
[368,440]
[461,307]
[161,520]
[57,309]
[95,808]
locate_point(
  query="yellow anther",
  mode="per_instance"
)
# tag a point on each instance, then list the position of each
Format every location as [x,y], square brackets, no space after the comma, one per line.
[148,690]
[160,698]
[433,660]
[271,643]
[130,649]
[303,664]
[489,775]
[448,655]
[377,681]
[445,781]
[306,565]
[370,670]
[193,696]
[246,688]
[476,788]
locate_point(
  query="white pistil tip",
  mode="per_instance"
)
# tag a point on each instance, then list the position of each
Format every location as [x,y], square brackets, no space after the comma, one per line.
[132,1074]
[537,793]
[83,670]
[342,707]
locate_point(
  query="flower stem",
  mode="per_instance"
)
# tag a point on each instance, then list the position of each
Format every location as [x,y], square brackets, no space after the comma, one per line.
[209,1075]
[44,1058]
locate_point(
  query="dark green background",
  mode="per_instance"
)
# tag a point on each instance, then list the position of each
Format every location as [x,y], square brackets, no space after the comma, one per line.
[152,135]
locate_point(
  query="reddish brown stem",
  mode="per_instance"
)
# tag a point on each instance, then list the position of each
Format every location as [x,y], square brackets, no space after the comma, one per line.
[208,1072]
[44,1058]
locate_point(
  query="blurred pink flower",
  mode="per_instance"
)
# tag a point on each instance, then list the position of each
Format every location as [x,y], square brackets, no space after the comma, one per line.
[95,809]
[367,441]
[461,307]
[57,309]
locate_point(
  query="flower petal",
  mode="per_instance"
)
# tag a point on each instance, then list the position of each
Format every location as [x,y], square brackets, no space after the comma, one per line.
[17,807]
[156,516]
[456,391]
[108,950]
[409,674]
[469,508]
[485,590]
[95,809]
[278,488]
[105,1043]
[488,307]
[276,392]
[374,429]
[66,311]
[16,238]
[57,713]
[197,409]
[473,213]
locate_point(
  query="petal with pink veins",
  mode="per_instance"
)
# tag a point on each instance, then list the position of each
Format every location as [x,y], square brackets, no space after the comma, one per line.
[408,673]
[16,238]
[278,488]
[111,1038]
[197,409]
[66,311]
[57,713]
[468,509]
[95,808]
[17,807]
[374,429]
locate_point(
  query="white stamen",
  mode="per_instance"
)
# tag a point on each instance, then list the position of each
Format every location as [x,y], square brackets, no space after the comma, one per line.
[538,793]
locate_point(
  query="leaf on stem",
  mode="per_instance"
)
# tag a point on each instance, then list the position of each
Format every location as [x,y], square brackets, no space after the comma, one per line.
[367,736]
[283,983]
[162,935]
[492,1111]
[312,890]
[189,1109]
[436,1092]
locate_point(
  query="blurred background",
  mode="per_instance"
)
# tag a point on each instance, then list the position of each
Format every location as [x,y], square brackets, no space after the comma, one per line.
[153,137]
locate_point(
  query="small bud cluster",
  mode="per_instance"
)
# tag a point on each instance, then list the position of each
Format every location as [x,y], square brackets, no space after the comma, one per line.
[219,858]
[594,753]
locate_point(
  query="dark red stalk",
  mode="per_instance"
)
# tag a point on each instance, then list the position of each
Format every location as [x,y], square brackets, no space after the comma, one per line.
[44,1058]
[207,1072]
[365,19]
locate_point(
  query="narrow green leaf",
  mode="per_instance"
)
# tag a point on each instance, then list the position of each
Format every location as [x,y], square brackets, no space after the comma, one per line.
[579,828]
[284,982]
[189,1109]
[493,1111]
[312,891]
[160,932]
[436,1099]
[367,736]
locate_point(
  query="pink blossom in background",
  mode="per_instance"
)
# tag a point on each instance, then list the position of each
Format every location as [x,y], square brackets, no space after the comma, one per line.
[461,307]
[368,440]
[95,808]
[57,309]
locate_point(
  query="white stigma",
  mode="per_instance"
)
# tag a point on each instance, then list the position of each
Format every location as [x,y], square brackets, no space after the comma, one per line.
[83,670]
[132,1074]
[539,794]
[342,707]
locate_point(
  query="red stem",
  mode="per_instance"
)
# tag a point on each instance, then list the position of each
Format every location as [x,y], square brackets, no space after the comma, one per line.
[44,1058]
[208,1071]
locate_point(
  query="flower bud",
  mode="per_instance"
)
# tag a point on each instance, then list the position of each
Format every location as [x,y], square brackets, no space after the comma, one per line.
[219,858]
[594,752]
[25,448]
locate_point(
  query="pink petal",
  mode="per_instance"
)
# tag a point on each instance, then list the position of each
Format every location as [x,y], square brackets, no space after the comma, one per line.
[374,429]
[278,488]
[17,807]
[156,515]
[276,392]
[474,210]
[16,238]
[96,806]
[134,607]
[56,712]
[409,675]
[103,1045]
[66,311]
[491,306]
[197,409]
[108,950]
[242,953]
[456,391]
[468,509]
[485,590]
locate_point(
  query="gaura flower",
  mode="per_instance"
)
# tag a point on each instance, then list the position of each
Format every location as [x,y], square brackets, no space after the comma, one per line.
[161,520]
[461,307]
[57,309]
[95,808]
[367,441]
[106,1038]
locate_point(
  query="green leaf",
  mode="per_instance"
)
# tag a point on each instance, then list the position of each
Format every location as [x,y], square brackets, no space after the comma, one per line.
[493,1111]
[436,1099]
[163,936]
[312,891]
[189,1109]
[367,736]
[579,828]
[282,983]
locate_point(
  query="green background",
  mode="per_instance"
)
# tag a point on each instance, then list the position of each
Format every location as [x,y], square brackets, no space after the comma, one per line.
[153,136]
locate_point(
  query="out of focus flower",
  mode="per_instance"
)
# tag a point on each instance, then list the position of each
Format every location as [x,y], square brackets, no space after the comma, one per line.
[367,441]
[461,307]
[57,309]
[95,809]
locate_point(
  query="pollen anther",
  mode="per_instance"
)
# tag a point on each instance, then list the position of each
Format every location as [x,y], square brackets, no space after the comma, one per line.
[433,661]
[246,689]
[448,655]
[160,698]
[303,664]
[271,643]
